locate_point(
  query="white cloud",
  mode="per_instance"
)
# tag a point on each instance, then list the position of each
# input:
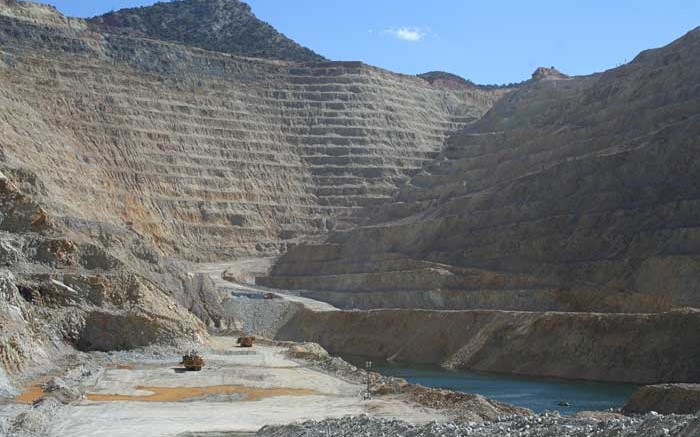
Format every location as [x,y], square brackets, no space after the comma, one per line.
[411,34]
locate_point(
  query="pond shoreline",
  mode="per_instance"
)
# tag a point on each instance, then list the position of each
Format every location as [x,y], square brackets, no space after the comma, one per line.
[538,394]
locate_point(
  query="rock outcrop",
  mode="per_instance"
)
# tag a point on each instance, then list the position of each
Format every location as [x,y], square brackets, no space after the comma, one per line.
[226,26]
[644,349]
[20,347]
[665,399]
[61,290]
[545,73]
[575,194]
[43,320]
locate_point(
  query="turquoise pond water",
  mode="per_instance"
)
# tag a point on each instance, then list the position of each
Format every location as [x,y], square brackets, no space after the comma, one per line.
[537,394]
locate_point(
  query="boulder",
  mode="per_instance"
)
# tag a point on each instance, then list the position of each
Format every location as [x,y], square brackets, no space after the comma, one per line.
[307,351]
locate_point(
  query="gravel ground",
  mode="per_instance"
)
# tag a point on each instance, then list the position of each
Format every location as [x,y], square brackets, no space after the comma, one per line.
[546,425]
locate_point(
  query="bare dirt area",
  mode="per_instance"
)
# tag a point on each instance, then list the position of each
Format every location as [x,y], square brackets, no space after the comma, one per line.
[238,279]
[239,390]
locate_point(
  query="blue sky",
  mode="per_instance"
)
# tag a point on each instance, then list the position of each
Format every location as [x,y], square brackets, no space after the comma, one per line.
[494,41]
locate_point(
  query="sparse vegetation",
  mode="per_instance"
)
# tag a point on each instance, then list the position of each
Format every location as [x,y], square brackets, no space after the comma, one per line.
[223,26]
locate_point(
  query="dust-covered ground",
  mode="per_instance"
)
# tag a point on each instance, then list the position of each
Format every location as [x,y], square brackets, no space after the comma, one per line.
[275,389]
[239,390]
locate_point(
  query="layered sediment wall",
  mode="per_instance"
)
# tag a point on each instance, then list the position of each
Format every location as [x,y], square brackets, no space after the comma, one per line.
[562,226]
[571,194]
[209,155]
[635,348]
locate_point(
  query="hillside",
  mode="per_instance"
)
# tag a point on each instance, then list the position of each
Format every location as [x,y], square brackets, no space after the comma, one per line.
[226,26]
[203,154]
[154,160]
[572,194]
[125,157]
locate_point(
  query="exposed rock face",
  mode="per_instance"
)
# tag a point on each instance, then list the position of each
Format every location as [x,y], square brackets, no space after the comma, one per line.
[665,399]
[574,194]
[20,347]
[121,154]
[201,297]
[43,319]
[227,26]
[631,348]
[38,13]
[447,80]
[68,291]
[551,73]
[205,155]
[443,79]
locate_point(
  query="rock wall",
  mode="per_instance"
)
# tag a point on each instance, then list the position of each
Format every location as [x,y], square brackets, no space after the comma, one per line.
[20,346]
[605,347]
[121,155]
[571,194]
[208,155]
[60,290]
[254,315]
[43,319]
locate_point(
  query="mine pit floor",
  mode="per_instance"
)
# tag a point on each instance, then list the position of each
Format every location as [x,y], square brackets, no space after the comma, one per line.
[234,393]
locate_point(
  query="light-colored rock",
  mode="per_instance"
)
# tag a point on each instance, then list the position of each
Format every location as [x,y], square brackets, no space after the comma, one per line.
[307,351]
[38,13]
[205,155]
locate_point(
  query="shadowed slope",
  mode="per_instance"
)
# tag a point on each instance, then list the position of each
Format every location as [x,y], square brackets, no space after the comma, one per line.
[570,194]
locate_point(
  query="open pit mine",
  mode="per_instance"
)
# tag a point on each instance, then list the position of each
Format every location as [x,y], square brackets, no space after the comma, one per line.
[212,231]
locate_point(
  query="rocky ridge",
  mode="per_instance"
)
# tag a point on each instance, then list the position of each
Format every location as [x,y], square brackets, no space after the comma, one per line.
[226,26]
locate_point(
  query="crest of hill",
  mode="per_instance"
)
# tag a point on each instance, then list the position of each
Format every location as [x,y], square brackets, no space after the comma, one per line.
[227,26]
[544,73]
[37,13]
[443,79]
